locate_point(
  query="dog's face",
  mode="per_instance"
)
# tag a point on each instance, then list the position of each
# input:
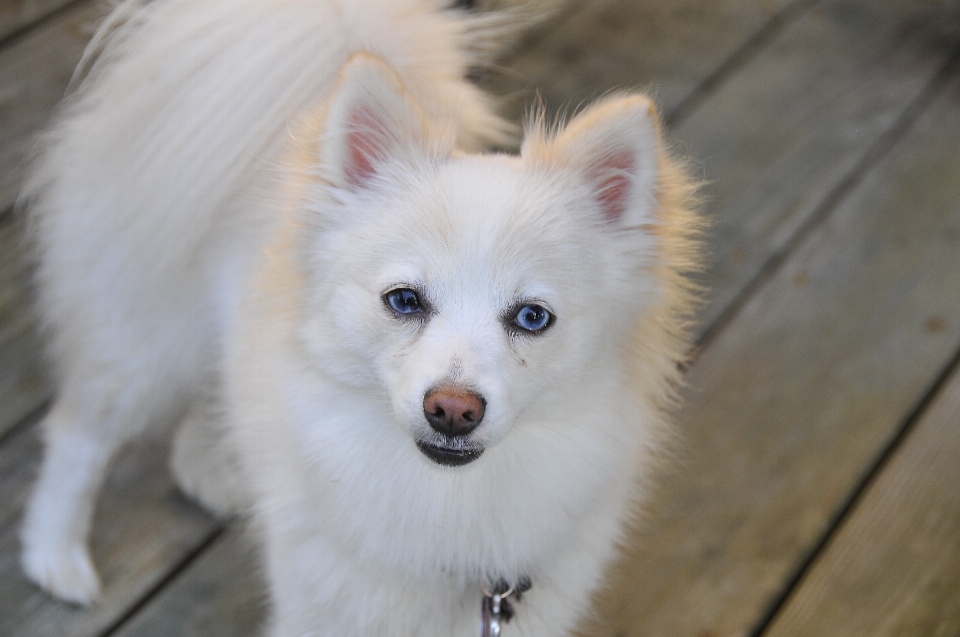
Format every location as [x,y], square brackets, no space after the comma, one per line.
[472,294]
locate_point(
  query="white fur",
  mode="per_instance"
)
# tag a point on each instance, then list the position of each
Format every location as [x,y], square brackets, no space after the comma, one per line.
[210,133]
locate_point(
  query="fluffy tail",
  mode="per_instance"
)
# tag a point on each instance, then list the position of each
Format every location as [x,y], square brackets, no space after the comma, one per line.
[183,104]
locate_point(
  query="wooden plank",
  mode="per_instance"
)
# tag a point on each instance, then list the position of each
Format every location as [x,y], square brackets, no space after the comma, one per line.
[16,15]
[801,393]
[669,46]
[900,552]
[143,529]
[219,595]
[782,135]
[34,72]
[24,386]
[894,567]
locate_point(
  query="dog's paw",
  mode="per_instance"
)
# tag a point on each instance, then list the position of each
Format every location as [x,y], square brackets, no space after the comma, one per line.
[66,572]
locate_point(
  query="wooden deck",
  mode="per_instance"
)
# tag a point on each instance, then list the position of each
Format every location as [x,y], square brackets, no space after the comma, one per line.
[817,489]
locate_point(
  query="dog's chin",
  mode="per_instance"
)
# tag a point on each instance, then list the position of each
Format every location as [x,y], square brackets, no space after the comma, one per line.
[449,452]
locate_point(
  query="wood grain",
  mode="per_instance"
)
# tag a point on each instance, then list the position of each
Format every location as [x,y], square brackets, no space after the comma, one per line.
[894,567]
[220,595]
[34,73]
[786,131]
[792,403]
[667,46]
[17,15]
[24,385]
[143,529]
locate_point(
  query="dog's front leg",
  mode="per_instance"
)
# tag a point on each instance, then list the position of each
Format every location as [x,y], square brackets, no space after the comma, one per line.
[57,523]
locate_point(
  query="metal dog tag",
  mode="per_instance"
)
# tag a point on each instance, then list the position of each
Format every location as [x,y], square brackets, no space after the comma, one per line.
[495,609]
[490,608]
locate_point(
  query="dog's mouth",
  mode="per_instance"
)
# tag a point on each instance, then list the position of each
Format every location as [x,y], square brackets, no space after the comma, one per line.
[450,452]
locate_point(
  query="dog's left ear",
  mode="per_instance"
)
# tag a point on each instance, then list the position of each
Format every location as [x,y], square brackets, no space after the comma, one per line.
[370,120]
[614,147]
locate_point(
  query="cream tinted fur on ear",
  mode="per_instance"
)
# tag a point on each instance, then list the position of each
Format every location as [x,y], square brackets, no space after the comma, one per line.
[614,147]
[370,120]
[237,255]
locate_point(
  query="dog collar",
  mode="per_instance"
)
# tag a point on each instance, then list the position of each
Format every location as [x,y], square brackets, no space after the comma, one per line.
[496,609]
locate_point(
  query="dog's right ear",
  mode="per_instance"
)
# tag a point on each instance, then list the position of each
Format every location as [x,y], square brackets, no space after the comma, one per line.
[370,120]
[613,146]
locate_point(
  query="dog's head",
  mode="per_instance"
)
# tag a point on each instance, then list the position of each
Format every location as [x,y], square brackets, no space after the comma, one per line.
[472,296]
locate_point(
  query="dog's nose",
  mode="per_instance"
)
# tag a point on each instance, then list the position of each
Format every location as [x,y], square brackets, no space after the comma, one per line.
[452,411]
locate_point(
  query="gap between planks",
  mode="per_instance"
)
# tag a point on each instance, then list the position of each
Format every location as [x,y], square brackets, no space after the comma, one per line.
[26,30]
[859,491]
[26,422]
[874,154]
[17,33]
[207,543]
[737,60]
[898,550]
[948,75]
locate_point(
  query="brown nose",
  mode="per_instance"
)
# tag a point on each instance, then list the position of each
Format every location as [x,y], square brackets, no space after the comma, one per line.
[451,411]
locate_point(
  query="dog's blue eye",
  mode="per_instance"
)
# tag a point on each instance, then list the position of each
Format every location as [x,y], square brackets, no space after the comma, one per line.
[532,318]
[403,301]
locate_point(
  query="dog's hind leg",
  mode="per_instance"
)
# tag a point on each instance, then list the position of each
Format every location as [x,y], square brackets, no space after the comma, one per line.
[203,462]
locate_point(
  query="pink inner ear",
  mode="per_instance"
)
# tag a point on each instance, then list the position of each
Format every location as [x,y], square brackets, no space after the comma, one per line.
[365,143]
[613,184]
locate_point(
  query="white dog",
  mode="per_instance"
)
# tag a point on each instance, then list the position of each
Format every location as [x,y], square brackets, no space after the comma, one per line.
[438,372]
